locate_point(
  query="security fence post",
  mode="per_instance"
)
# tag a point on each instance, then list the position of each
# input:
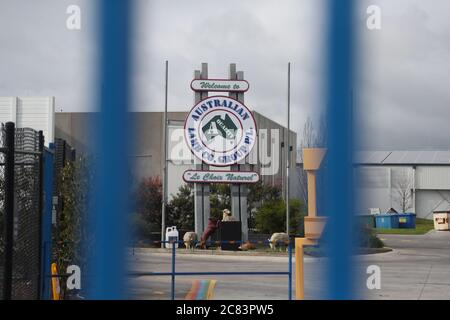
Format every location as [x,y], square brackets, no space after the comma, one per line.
[9,210]
[41,206]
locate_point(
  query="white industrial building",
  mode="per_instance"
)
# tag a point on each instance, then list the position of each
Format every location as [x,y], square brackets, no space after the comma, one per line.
[386,179]
[37,113]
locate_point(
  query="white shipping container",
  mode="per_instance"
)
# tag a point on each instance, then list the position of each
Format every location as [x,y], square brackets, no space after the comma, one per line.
[441,220]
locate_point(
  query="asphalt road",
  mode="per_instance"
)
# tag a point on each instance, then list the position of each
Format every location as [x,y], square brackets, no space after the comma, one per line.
[418,268]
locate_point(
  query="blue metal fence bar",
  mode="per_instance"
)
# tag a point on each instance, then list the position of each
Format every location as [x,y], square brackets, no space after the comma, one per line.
[211,242]
[174,249]
[46,244]
[111,198]
[145,274]
[206,273]
[338,204]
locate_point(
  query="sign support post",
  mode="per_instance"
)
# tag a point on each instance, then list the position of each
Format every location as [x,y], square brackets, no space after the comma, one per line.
[239,192]
[288,147]
[201,191]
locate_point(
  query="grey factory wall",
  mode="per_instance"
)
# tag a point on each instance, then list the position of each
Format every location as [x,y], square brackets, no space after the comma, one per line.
[147,143]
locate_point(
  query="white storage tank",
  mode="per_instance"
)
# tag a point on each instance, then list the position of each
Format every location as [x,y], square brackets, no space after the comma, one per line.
[172,235]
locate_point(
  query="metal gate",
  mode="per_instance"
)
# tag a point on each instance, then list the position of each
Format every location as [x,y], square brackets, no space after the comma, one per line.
[21,206]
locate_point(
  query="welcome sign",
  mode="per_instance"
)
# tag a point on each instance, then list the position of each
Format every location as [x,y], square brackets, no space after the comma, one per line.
[220,131]
[219,85]
[206,176]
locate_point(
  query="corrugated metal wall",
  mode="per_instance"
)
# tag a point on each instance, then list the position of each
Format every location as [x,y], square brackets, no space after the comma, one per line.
[428,201]
[378,187]
[30,112]
[372,186]
[433,177]
[7,105]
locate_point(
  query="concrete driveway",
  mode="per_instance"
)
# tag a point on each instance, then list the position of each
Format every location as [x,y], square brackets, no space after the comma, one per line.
[417,268]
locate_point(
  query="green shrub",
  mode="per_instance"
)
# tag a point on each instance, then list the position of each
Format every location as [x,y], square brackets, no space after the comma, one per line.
[271,217]
[2,213]
[72,238]
[139,228]
[258,194]
[367,238]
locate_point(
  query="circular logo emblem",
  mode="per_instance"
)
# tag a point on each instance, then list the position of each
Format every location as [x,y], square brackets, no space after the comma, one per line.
[220,131]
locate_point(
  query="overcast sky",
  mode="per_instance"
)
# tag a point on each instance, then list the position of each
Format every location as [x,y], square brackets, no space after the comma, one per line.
[402,95]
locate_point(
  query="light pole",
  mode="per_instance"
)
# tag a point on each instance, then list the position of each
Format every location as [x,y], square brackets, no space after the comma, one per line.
[164,189]
[288,147]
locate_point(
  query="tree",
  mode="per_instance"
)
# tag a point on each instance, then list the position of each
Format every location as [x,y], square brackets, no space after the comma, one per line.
[148,202]
[181,208]
[258,194]
[220,197]
[147,205]
[310,139]
[271,216]
[403,191]
[140,229]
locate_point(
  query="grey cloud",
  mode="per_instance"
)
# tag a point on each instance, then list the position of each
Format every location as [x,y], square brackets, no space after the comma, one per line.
[404,99]
[402,91]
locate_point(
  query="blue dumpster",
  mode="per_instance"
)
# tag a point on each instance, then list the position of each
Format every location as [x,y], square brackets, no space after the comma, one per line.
[407,220]
[386,221]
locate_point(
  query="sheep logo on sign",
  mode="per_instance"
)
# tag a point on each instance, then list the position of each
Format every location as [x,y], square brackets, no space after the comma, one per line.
[220,131]
[220,128]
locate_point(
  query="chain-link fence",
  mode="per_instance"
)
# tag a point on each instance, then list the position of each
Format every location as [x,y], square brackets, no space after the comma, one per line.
[20,255]
[2,211]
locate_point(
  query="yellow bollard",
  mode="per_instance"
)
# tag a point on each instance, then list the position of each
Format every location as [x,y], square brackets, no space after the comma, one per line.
[56,289]
[300,243]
